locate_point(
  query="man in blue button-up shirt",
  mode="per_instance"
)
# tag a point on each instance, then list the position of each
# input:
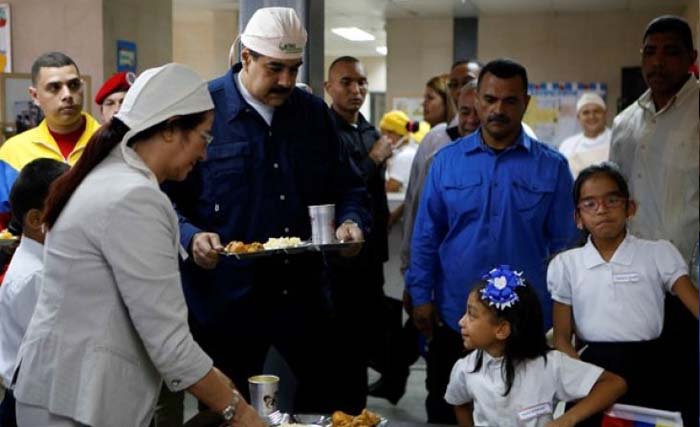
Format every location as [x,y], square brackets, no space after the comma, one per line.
[275,152]
[494,197]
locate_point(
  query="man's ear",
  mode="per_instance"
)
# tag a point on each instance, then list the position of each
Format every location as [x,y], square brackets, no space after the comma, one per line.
[33,94]
[503,330]
[631,208]
[246,58]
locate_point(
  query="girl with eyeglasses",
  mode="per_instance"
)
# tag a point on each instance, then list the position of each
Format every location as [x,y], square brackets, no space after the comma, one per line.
[610,292]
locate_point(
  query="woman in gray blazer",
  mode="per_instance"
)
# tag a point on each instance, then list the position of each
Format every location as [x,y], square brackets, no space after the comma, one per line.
[111,321]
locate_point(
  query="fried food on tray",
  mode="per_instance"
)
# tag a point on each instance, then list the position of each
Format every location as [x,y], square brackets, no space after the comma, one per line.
[236,247]
[365,419]
[340,418]
[6,235]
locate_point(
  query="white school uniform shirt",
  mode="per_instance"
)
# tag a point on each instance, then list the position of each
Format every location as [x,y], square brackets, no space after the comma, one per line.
[621,300]
[537,386]
[18,295]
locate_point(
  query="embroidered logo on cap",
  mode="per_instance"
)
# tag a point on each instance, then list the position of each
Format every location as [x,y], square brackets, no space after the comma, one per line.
[290,48]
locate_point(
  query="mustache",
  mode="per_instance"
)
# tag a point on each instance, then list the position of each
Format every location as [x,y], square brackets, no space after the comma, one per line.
[281,90]
[498,118]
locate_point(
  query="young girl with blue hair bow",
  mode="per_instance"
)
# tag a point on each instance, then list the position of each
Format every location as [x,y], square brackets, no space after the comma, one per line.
[513,378]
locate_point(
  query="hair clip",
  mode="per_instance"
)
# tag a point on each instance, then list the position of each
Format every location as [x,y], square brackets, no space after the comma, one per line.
[500,286]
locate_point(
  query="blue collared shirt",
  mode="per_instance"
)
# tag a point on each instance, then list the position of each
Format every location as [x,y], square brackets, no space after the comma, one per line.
[257,182]
[480,209]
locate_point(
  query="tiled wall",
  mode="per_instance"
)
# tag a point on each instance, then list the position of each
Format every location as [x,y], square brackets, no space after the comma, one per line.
[576,47]
[71,26]
[87,31]
[418,50]
[202,38]
[147,23]
[583,47]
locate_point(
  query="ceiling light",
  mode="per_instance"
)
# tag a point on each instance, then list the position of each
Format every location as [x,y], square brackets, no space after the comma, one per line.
[382,50]
[353,34]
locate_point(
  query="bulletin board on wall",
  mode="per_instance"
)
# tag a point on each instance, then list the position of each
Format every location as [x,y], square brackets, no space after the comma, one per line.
[17,110]
[413,107]
[5,39]
[552,110]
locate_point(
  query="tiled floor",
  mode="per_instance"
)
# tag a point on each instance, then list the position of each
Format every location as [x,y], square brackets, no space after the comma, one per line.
[411,407]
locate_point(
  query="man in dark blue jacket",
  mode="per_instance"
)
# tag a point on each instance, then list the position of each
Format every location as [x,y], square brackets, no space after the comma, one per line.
[274,153]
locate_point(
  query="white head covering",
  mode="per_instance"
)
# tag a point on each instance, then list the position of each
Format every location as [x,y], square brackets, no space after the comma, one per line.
[276,32]
[159,94]
[590,98]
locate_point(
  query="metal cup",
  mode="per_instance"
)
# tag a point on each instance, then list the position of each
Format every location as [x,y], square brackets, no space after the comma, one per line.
[263,393]
[322,224]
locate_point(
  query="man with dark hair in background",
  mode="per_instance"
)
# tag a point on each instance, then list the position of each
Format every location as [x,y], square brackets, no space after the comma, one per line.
[58,90]
[358,282]
[495,197]
[655,141]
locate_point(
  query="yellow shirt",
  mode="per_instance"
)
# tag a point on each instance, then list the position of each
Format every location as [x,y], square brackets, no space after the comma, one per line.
[33,144]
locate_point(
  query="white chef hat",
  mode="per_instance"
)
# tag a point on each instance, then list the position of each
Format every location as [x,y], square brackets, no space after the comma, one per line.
[160,93]
[276,32]
[590,98]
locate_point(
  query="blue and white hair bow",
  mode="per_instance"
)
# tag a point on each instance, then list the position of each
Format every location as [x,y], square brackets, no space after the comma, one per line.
[501,283]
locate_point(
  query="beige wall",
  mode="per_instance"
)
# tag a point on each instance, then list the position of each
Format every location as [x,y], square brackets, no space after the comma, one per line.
[146,23]
[418,50]
[691,15]
[202,38]
[585,47]
[70,26]
[87,31]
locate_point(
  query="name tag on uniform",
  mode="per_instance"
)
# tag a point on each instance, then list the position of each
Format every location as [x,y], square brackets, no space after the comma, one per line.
[535,411]
[626,277]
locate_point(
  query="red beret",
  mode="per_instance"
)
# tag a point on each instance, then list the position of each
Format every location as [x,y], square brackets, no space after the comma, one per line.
[120,82]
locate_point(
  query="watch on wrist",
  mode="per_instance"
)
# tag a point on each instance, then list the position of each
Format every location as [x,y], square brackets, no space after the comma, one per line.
[230,411]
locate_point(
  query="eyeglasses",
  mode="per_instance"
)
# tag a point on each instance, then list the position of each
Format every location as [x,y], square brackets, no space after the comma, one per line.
[592,204]
[207,137]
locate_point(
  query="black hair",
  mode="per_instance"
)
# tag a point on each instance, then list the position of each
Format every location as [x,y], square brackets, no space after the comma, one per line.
[504,68]
[32,186]
[345,58]
[607,168]
[671,24]
[527,337]
[101,143]
[254,54]
[51,60]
